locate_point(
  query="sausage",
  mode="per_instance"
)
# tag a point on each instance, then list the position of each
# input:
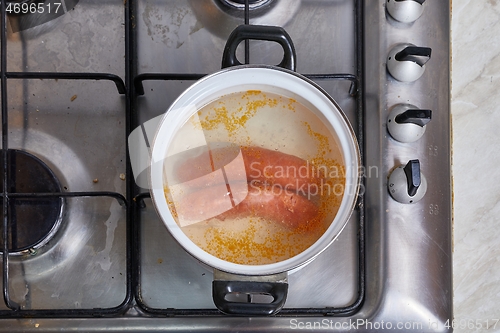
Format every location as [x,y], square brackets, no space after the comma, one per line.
[272,203]
[258,164]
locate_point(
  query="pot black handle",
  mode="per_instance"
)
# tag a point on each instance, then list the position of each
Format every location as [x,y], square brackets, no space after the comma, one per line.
[278,290]
[259,32]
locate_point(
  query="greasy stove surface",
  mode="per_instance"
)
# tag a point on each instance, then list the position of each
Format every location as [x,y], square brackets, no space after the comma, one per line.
[79,129]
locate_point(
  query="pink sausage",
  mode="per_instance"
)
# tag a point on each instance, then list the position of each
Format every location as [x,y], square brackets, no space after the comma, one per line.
[271,203]
[260,164]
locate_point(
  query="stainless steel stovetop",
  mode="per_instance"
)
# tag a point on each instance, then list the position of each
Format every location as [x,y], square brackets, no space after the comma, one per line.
[76,86]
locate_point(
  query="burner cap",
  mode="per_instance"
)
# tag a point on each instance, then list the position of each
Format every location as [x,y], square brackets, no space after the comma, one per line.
[240,4]
[33,221]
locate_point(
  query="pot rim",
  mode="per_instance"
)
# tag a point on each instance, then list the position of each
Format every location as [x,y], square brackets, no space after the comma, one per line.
[263,76]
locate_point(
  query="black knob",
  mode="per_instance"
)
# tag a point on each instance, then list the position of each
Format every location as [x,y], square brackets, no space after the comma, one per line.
[418,55]
[412,171]
[414,116]
[406,62]
[407,184]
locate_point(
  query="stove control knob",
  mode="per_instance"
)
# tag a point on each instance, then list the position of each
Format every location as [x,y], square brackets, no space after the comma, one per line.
[407,123]
[406,62]
[405,11]
[407,184]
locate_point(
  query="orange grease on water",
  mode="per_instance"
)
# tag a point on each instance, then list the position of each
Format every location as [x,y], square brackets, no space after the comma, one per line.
[252,240]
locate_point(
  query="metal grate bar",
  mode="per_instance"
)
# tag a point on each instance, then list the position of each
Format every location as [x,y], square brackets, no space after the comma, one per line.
[120,198]
[5,166]
[70,76]
[139,88]
[139,79]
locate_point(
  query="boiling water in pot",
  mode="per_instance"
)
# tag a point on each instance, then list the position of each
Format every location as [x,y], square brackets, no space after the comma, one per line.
[254,177]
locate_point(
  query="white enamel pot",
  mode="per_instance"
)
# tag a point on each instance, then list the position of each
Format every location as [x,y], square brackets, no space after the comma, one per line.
[266,278]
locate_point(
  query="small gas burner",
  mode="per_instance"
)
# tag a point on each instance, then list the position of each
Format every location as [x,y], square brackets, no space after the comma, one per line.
[33,221]
[240,4]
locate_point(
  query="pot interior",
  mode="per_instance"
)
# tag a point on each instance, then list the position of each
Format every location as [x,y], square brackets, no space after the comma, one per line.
[254,175]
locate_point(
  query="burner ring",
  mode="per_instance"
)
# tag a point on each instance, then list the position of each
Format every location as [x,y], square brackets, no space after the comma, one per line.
[33,221]
[240,4]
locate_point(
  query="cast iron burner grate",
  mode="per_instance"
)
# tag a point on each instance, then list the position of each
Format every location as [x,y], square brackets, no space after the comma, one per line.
[33,221]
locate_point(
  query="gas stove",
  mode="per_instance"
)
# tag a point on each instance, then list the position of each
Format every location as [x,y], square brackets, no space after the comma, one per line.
[82,245]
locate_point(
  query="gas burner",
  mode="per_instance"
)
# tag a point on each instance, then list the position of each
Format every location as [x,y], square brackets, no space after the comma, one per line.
[33,221]
[240,4]
[221,16]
